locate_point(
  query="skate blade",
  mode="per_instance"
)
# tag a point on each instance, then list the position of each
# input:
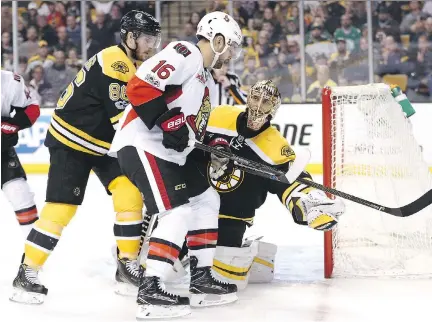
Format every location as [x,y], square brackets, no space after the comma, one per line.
[126,289]
[204,300]
[21,296]
[155,312]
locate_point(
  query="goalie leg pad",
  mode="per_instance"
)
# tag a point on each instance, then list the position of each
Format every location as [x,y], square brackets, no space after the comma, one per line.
[20,196]
[128,205]
[262,270]
[233,264]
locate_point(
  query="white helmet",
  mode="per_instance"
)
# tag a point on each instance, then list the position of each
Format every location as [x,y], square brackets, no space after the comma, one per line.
[221,23]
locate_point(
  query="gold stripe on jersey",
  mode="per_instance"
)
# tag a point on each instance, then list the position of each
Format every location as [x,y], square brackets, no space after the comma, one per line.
[68,143]
[223,120]
[272,147]
[116,118]
[116,64]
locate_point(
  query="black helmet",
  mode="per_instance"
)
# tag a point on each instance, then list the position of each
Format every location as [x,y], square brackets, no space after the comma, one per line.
[138,22]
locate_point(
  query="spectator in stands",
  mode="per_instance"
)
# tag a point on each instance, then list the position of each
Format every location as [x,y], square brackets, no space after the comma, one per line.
[272,35]
[283,45]
[428,28]
[46,31]
[115,17]
[30,47]
[22,67]
[250,31]
[73,30]
[274,69]
[291,27]
[294,55]
[249,71]
[38,82]
[270,17]
[6,17]
[292,89]
[102,31]
[189,33]
[259,9]
[263,47]
[64,43]
[213,5]
[412,17]
[393,59]
[386,23]
[73,61]
[421,58]
[73,8]
[195,19]
[57,14]
[92,46]
[32,13]
[323,79]
[339,60]
[59,76]
[261,74]
[282,11]
[348,32]
[316,34]
[358,13]
[6,43]
[333,10]
[42,58]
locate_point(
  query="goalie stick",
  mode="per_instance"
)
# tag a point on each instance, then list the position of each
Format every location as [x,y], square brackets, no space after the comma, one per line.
[297,167]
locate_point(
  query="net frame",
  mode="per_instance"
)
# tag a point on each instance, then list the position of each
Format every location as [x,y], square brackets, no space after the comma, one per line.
[331,119]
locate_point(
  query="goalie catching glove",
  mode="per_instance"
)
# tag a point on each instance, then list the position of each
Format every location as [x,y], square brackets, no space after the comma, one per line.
[321,212]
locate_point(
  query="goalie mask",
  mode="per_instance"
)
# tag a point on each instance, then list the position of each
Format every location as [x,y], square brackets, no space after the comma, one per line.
[262,103]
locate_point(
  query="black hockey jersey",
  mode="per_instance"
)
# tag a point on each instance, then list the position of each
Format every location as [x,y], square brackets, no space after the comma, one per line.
[242,193]
[90,107]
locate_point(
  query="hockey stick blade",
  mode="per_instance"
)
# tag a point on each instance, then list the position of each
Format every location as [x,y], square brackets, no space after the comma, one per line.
[404,211]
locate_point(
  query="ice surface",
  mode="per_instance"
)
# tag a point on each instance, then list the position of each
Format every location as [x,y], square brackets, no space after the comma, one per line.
[80,274]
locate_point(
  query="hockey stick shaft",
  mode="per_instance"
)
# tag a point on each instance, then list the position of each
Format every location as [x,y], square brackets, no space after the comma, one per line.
[265,171]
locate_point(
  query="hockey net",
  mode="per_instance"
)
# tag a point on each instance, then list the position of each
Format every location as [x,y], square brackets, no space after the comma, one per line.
[369,151]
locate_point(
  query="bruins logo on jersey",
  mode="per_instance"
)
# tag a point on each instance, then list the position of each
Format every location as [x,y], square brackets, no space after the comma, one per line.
[287,151]
[120,66]
[228,183]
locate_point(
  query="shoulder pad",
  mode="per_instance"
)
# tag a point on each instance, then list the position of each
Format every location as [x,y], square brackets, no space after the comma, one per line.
[223,120]
[116,64]
[272,147]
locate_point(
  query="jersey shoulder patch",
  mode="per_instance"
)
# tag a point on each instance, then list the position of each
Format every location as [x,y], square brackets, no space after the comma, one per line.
[116,64]
[223,119]
[272,147]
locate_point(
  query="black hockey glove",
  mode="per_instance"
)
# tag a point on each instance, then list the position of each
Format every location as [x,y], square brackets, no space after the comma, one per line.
[175,131]
[220,167]
[9,133]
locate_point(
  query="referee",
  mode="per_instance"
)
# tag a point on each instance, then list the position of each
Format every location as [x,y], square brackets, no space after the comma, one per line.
[228,90]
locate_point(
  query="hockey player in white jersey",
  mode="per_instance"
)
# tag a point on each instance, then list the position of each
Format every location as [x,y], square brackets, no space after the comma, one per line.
[16,100]
[170,107]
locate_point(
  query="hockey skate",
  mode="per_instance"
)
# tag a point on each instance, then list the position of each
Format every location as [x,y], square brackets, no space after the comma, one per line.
[127,277]
[205,290]
[27,288]
[154,302]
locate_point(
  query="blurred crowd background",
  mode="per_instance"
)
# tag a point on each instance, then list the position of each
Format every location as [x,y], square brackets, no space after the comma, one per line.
[302,46]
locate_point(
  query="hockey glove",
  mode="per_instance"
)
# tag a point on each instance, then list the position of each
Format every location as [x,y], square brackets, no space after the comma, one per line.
[321,212]
[220,166]
[175,131]
[9,134]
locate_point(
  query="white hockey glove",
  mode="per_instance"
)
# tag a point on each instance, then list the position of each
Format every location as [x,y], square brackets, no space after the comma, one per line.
[321,212]
[220,166]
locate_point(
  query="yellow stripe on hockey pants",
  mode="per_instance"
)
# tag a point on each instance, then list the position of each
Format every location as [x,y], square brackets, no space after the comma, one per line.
[128,205]
[47,230]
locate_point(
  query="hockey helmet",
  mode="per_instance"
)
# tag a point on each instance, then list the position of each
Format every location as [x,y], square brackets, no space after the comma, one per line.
[262,103]
[218,22]
[141,23]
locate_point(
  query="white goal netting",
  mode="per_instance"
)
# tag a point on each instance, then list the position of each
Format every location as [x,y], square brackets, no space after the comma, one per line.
[375,156]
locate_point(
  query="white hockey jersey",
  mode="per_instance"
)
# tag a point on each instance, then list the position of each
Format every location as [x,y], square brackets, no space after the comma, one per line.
[14,93]
[176,72]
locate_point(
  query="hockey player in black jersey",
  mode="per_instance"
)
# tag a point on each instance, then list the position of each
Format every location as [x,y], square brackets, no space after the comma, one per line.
[249,134]
[79,137]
